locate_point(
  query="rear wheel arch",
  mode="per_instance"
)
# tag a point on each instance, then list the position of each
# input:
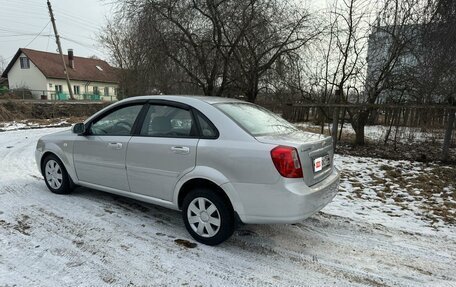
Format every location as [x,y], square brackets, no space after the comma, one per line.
[194,183]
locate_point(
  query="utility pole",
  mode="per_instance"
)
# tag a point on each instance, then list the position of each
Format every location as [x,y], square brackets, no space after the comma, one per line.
[57,40]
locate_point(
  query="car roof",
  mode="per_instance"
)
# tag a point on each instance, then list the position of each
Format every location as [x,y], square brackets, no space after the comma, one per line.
[185,98]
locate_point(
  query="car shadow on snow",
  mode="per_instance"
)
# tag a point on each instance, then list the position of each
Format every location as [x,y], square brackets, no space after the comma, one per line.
[253,237]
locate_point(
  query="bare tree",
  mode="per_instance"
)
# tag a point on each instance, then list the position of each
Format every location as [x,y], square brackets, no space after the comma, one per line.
[390,41]
[440,60]
[349,33]
[144,67]
[223,47]
[195,35]
[277,28]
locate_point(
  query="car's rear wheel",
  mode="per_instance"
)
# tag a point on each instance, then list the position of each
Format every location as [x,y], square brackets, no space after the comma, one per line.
[207,216]
[55,175]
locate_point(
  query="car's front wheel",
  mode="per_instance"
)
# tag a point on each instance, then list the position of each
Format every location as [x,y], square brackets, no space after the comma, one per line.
[207,216]
[55,175]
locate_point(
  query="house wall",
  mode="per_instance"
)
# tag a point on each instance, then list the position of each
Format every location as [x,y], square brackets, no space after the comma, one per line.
[84,88]
[31,79]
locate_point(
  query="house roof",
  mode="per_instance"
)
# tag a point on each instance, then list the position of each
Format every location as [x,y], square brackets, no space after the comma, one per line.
[85,69]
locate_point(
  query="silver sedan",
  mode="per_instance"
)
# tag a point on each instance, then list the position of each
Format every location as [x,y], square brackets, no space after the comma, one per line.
[218,160]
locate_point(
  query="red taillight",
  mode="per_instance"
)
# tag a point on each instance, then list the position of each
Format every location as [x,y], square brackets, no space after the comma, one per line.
[286,160]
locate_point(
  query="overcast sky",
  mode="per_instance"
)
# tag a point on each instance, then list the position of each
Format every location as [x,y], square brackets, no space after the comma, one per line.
[78,23]
[26,24]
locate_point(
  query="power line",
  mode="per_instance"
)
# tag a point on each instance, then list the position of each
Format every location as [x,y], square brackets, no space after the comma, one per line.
[37,35]
[49,38]
[85,45]
[22,35]
[34,38]
[32,9]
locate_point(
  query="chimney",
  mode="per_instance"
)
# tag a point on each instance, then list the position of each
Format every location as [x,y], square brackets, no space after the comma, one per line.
[70,58]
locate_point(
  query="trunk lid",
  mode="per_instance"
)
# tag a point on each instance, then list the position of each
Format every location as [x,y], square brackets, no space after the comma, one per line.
[311,148]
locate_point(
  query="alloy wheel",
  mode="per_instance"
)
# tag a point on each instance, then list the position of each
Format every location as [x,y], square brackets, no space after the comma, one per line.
[203,217]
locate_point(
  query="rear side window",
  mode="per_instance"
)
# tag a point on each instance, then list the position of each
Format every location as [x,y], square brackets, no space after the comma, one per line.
[208,130]
[168,121]
[256,120]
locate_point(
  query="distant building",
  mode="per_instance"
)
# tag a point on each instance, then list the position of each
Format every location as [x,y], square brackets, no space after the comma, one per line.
[412,63]
[405,60]
[42,73]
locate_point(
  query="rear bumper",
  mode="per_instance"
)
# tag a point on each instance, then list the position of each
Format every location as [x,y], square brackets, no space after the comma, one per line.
[289,201]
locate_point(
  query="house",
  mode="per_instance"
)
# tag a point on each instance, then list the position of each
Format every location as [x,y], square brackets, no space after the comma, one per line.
[409,51]
[42,73]
[403,56]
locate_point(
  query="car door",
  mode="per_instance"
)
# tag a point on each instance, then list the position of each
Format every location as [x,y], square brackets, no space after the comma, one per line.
[163,150]
[99,155]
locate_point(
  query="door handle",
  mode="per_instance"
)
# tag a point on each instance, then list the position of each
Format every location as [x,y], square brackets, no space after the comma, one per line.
[180,149]
[115,145]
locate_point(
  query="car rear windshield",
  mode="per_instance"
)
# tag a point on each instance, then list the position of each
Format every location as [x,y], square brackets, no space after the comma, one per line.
[255,119]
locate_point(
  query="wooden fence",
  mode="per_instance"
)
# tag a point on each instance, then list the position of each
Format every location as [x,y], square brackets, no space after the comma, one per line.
[431,116]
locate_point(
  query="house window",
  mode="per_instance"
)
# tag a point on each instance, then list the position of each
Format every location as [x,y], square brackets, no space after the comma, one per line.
[95,90]
[58,88]
[106,91]
[76,90]
[25,62]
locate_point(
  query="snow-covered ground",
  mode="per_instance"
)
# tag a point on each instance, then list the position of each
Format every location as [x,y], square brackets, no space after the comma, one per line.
[390,225]
[27,124]
[378,133]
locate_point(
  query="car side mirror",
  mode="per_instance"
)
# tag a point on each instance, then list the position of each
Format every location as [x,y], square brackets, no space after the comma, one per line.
[79,128]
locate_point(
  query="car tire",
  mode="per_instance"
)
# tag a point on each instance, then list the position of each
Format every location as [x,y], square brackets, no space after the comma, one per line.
[208,216]
[55,175]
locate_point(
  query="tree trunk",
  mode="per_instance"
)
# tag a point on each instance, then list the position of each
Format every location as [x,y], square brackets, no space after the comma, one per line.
[335,123]
[358,125]
[359,132]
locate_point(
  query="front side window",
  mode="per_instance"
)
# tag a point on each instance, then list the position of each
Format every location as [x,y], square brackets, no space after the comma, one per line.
[25,62]
[76,90]
[256,120]
[168,121]
[106,91]
[58,88]
[95,90]
[119,122]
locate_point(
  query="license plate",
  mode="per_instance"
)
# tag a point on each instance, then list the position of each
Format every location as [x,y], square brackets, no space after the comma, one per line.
[321,162]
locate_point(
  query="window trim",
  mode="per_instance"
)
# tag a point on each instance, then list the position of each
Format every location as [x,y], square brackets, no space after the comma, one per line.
[110,111]
[200,130]
[193,111]
[78,92]
[136,129]
[27,61]
[171,104]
